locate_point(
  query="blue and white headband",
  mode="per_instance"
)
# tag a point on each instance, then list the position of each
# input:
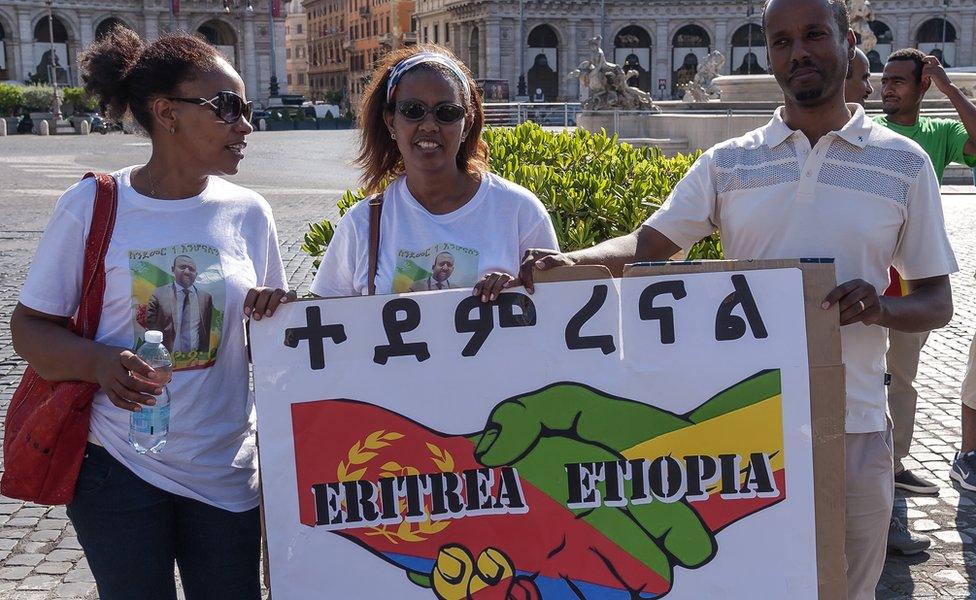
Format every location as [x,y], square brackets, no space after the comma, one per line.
[424,57]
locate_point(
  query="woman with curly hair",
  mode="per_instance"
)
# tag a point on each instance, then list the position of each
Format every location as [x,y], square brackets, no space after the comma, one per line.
[446,222]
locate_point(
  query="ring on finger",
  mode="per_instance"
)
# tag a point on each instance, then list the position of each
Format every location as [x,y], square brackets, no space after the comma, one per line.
[860,305]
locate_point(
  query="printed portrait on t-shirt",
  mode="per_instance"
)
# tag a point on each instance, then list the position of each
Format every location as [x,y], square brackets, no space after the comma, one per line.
[440,267]
[179,290]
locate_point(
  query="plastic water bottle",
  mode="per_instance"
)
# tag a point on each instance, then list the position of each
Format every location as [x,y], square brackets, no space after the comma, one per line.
[148,427]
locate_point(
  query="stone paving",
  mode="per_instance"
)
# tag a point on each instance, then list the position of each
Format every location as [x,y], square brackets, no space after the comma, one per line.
[40,558]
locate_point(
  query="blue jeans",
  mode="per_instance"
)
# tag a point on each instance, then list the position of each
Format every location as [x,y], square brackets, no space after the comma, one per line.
[133,532]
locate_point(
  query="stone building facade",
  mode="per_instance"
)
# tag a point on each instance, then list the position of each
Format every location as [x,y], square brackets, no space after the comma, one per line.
[296,48]
[239,28]
[662,39]
[348,37]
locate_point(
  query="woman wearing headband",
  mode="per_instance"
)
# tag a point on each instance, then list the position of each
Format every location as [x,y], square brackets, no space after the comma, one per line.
[446,222]
[187,252]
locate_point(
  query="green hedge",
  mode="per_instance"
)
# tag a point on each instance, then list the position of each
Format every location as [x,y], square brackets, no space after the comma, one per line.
[594,187]
[11,99]
[79,100]
[38,98]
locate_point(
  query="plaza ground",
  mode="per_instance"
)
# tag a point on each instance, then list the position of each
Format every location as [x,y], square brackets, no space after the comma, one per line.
[303,174]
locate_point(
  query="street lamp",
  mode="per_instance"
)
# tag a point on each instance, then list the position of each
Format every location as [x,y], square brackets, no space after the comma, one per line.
[750,11]
[274,66]
[53,74]
[945,18]
[603,18]
[520,48]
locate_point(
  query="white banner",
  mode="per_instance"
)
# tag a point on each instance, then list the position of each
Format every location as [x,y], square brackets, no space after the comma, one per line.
[600,439]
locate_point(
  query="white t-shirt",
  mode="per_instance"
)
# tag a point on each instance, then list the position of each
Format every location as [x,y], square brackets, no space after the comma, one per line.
[420,251]
[217,246]
[864,196]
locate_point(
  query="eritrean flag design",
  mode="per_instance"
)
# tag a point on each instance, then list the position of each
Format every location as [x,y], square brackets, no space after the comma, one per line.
[568,492]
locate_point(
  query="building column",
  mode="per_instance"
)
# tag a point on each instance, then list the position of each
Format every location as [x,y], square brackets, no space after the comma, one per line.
[15,43]
[964,52]
[570,87]
[493,40]
[150,25]
[250,67]
[456,39]
[902,32]
[722,44]
[463,37]
[662,60]
[26,43]
[482,50]
[86,33]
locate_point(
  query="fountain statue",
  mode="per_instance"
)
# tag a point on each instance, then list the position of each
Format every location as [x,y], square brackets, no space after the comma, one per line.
[702,88]
[608,83]
[862,13]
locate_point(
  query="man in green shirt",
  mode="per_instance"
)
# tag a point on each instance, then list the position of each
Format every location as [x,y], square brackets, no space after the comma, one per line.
[907,76]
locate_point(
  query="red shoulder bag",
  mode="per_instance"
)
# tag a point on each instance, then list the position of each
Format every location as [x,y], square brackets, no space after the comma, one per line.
[47,422]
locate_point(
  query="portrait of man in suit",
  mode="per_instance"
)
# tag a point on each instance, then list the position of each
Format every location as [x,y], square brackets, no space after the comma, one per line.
[182,311]
[440,276]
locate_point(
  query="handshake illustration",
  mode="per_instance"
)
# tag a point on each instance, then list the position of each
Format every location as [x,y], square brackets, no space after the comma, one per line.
[567,492]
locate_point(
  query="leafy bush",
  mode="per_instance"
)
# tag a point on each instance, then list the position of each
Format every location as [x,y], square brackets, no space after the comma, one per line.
[80,100]
[38,98]
[11,98]
[593,187]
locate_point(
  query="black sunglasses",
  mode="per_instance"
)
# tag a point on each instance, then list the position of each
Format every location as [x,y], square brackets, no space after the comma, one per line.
[227,105]
[444,113]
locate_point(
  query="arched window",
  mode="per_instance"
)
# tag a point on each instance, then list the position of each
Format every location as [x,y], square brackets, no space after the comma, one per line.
[748,50]
[632,49]
[689,45]
[474,51]
[878,55]
[3,54]
[938,38]
[108,25]
[46,66]
[543,74]
[221,36]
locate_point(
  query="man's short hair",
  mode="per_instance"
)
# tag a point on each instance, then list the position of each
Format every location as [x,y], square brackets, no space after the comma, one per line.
[850,64]
[186,257]
[910,54]
[837,7]
[444,253]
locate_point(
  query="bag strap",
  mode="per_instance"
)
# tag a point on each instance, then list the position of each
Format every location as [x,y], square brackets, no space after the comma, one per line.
[375,210]
[96,247]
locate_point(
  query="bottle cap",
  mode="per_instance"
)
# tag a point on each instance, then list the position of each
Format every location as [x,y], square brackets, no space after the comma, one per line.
[154,337]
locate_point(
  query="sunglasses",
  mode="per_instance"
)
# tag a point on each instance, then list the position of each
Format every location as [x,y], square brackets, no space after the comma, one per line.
[444,113]
[228,106]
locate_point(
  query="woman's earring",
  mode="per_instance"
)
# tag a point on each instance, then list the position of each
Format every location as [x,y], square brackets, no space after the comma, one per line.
[393,135]
[172,130]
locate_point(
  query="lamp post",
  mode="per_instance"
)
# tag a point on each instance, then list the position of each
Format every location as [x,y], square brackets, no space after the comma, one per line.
[520,48]
[603,19]
[749,12]
[53,75]
[274,66]
[945,20]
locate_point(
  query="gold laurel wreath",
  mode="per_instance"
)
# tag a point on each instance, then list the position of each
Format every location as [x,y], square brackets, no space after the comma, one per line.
[364,451]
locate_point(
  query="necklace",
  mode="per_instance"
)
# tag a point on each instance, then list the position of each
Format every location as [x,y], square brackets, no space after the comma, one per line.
[152,186]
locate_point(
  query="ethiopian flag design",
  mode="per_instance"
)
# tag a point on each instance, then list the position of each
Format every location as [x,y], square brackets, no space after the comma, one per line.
[158,277]
[567,492]
[441,266]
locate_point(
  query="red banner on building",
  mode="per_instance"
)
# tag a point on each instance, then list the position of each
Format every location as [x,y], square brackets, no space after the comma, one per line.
[175,6]
[275,8]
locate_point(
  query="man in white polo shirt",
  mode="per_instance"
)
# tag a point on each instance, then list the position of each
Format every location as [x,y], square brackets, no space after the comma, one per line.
[820,179]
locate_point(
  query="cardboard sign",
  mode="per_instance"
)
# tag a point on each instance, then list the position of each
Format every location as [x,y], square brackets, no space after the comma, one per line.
[602,438]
